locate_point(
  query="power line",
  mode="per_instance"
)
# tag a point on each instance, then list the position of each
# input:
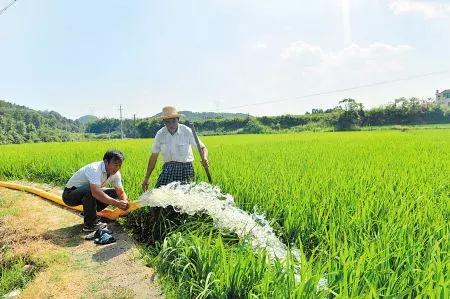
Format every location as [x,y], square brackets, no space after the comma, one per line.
[338,90]
[7,6]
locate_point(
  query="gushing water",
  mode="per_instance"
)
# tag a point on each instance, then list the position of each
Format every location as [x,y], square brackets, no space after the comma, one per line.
[203,198]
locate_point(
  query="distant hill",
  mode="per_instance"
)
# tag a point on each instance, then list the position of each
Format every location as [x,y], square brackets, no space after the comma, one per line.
[205,115]
[19,124]
[85,119]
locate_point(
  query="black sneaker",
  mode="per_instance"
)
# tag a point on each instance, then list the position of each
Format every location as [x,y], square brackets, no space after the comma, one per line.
[97,234]
[94,227]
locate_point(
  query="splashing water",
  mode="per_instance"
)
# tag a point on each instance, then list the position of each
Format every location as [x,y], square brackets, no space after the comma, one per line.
[203,198]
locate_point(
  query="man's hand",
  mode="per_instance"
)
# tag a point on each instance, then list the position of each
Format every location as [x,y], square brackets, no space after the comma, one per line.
[145,184]
[205,163]
[123,205]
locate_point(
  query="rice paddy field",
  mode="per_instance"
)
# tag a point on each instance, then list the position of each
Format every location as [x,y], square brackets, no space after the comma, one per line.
[369,211]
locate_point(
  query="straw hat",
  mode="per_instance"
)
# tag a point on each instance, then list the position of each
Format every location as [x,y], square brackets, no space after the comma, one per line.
[170,112]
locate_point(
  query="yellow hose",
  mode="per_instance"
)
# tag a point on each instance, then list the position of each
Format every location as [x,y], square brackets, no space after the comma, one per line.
[110,214]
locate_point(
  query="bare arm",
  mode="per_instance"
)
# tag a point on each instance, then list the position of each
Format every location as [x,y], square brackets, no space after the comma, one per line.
[121,193]
[98,194]
[150,166]
[205,160]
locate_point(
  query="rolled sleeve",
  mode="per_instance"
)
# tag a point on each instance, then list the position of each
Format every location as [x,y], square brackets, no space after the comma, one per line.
[156,147]
[118,180]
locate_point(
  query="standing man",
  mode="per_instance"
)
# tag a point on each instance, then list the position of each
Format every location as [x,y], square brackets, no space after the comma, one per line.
[87,187]
[174,141]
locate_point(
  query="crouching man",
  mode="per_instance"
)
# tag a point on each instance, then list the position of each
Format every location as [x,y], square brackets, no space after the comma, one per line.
[87,187]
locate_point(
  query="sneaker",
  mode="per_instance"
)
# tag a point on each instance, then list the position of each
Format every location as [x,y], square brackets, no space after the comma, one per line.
[94,227]
[104,239]
[97,234]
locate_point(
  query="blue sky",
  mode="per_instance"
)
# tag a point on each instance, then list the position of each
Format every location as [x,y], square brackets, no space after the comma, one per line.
[88,57]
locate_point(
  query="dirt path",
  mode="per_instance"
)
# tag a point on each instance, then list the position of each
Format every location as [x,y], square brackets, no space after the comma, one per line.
[75,268]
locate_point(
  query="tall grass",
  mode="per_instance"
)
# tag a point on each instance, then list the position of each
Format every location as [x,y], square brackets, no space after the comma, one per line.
[368,209]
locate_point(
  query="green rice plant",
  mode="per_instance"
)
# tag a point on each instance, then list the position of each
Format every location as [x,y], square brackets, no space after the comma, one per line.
[368,210]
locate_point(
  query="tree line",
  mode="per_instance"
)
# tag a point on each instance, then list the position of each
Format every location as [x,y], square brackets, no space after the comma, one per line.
[347,115]
[19,124]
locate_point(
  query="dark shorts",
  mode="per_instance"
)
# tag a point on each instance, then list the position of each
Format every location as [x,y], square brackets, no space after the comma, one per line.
[176,172]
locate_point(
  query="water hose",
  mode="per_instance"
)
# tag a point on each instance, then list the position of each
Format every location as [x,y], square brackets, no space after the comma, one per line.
[109,214]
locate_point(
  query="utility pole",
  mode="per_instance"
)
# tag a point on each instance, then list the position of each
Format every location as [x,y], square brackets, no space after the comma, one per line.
[121,122]
[134,126]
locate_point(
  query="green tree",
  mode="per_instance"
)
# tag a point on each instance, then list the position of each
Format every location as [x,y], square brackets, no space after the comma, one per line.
[351,115]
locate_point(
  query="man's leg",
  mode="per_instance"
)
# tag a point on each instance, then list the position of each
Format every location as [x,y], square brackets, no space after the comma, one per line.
[82,195]
[72,197]
[111,193]
[89,204]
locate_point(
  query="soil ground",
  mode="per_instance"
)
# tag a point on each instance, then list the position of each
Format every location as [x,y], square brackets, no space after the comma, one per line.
[74,268]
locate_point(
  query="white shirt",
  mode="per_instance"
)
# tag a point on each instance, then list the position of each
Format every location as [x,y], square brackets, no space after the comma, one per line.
[94,173]
[176,147]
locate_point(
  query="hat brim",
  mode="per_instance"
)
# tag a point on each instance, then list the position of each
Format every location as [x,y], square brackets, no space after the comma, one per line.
[178,115]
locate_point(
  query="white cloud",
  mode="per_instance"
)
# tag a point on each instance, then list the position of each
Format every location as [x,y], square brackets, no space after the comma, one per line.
[303,50]
[374,56]
[429,9]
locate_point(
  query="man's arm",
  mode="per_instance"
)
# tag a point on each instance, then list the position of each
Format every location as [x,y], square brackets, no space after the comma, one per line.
[203,149]
[98,194]
[118,187]
[150,166]
[121,194]
[205,160]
